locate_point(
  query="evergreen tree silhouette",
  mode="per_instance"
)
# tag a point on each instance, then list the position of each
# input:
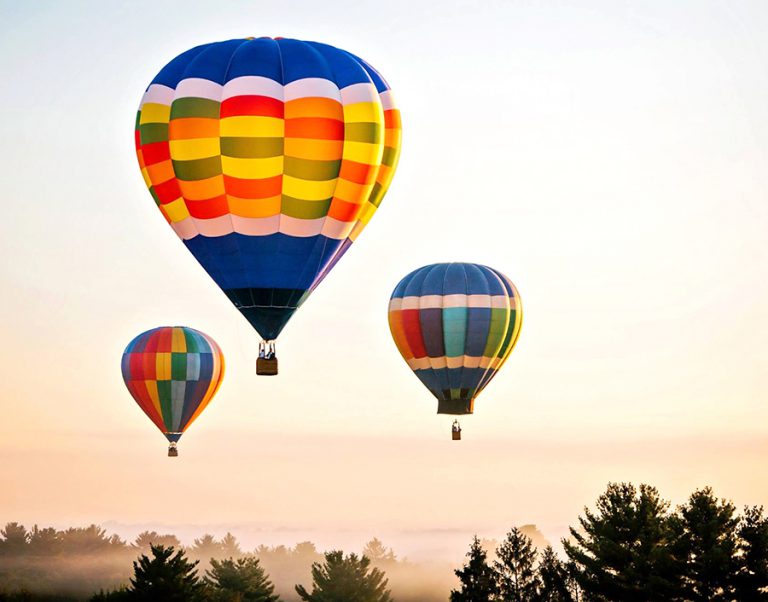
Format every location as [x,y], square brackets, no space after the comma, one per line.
[166,577]
[478,579]
[345,579]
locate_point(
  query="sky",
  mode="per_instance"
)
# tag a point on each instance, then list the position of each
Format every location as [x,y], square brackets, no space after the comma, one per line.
[609,157]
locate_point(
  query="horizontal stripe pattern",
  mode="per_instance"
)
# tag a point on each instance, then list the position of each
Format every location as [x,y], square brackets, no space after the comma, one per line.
[259,137]
[455,324]
[172,372]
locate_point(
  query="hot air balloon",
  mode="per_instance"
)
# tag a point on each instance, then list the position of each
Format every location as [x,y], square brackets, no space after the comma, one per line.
[267,157]
[172,372]
[455,324]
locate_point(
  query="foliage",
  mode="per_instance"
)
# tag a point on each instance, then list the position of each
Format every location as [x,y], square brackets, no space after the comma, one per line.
[751,581]
[241,580]
[554,580]
[625,549]
[516,577]
[343,579]
[477,577]
[166,577]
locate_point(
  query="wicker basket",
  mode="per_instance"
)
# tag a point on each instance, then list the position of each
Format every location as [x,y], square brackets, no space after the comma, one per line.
[266,367]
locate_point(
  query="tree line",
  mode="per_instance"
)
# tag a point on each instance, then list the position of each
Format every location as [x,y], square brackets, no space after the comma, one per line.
[632,545]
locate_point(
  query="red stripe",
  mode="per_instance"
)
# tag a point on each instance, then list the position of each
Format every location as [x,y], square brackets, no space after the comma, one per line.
[167,191]
[140,394]
[253,189]
[156,152]
[412,329]
[262,106]
[209,208]
[164,339]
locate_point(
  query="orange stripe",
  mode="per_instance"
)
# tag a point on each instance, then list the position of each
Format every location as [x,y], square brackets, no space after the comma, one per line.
[193,127]
[314,127]
[314,107]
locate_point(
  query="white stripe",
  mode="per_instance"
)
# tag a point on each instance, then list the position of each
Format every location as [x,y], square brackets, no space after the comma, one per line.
[185,229]
[256,226]
[252,85]
[294,226]
[215,226]
[196,87]
[395,304]
[158,94]
[447,301]
[438,363]
[312,87]
[387,100]
[359,93]
[338,230]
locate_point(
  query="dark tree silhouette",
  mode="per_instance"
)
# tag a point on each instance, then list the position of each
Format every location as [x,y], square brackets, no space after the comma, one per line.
[343,579]
[707,541]
[515,568]
[554,580]
[166,577]
[14,539]
[625,549]
[478,579]
[752,575]
[241,580]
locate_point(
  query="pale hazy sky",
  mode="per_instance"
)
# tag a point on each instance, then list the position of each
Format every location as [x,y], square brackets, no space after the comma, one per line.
[610,157]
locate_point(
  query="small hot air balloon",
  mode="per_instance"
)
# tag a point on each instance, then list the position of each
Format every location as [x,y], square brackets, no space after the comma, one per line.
[267,157]
[455,324]
[172,372]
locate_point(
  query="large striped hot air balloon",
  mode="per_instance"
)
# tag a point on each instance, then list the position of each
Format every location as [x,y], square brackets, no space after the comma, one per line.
[455,324]
[267,157]
[172,372]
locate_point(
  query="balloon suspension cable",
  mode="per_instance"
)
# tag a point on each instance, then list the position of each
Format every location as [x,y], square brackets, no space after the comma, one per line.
[172,450]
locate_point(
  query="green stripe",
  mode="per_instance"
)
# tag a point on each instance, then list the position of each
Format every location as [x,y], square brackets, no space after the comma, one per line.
[362,132]
[191,339]
[251,148]
[154,195]
[308,169]
[377,195]
[195,107]
[138,119]
[179,366]
[197,169]
[389,156]
[304,209]
[496,330]
[164,393]
[153,132]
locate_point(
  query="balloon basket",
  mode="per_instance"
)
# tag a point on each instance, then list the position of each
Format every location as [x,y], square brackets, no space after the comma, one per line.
[173,452]
[456,436]
[266,367]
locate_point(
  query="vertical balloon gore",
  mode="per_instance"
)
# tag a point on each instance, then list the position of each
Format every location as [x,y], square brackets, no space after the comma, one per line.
[455,324]
[267,157]
[172,372]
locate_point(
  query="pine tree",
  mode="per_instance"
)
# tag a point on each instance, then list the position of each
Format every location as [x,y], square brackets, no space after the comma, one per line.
[241,580]
[14,539]
[553,578]
[166,577]
[478,579]
[625,549]
[752,576]
[345,579]
[516,576]
[707,541]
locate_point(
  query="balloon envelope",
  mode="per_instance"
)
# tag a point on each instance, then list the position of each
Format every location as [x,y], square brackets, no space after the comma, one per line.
[455,324]
[172,372]
[267,157]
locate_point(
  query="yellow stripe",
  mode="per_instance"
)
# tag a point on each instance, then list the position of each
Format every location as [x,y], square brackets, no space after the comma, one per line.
[252,169]
[319,150]
[352,192]
[308,190]
[178,342]
[176,210]
[366,112]
[363,152]
[250,126]
[194,148]
[163,366]
[152,390]
[145,175]
[155,113]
